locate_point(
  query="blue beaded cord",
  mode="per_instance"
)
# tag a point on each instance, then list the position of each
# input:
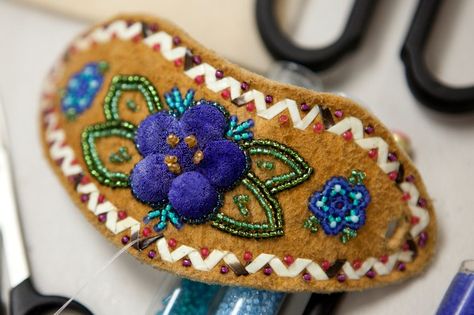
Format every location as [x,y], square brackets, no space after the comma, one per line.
[178,105]
[240,131]
[166,214]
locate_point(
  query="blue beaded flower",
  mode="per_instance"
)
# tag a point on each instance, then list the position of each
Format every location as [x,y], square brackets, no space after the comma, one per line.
[340,206]
[81,89]
[187,161]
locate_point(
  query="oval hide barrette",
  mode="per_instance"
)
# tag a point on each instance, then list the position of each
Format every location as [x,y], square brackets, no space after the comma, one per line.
[225,176]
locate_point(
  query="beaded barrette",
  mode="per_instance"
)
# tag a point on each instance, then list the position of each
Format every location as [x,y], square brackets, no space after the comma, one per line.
[227,177]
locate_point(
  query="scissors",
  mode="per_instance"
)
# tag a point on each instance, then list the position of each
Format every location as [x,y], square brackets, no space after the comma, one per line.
[424,86]
[24,299]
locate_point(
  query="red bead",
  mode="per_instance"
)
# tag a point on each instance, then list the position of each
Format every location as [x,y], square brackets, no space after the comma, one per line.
[306,276]
[357,264]
[219,74]
[101,198]
[204,252]
[172,243]
[341,277]
[325,265]
[125,239]
[85,180]
[122,214]
[318,127]
[406,196]
[84,197]
[392,157]
[197,59]
[250,106]
[338,113]
[225,94]
[401,266]
[248,256]
[422,202]
[406,246]
[347,135]
[176,40]
[156,47]
[393,175]
[137,38]
[283,119]
[305,107]
[224,269]
[146,232]
[370,274]
[415,220]
[178,62]
[384,259]
[151,254]
[267,271]
[288,259]
[410,178]
[102,217]
[153,27]
[199,79]
[373,153]
[369,129]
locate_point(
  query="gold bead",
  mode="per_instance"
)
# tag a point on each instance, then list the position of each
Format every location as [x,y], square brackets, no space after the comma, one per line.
[174,168]
[171,159]
[172,140]
[198,156]
[191,141]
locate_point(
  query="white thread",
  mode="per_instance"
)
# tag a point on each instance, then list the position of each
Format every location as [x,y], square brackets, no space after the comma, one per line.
[96,274]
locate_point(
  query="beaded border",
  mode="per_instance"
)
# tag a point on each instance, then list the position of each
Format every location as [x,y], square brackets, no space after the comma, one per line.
[64,157]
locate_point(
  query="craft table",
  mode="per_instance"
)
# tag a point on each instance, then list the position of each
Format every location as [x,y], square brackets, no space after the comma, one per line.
[65,250]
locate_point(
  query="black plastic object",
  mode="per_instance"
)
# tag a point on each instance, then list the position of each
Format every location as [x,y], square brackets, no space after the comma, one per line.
[323,304]
[316,59]
[427,89]
[25,300]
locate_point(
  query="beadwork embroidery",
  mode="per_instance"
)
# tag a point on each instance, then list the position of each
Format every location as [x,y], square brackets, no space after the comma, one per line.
[339,208]
[82,88]
[192,154]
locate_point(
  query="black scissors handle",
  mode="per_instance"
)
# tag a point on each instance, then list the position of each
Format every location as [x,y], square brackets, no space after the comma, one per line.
[25,300]
[426,88]
[317,59]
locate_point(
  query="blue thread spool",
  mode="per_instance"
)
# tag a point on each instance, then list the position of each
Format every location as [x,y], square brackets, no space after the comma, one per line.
[246,301]
[459,299]
[184,297]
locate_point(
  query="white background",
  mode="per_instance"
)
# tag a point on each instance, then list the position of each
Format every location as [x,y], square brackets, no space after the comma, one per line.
[65,250]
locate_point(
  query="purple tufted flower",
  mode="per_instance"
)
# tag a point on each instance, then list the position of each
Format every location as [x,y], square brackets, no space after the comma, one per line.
[340,205]
[187,162]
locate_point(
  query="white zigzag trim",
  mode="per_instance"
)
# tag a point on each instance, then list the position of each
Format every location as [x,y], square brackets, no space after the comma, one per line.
[257,97]
[279,267]
[166,45]
[120,29]
[419,212]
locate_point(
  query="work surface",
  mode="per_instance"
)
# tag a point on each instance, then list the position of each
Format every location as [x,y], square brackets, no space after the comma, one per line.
[65,250]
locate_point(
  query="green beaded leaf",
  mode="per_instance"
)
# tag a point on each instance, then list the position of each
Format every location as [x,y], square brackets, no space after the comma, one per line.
[299,169]
[113,128]
[273,212]
[121,83]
